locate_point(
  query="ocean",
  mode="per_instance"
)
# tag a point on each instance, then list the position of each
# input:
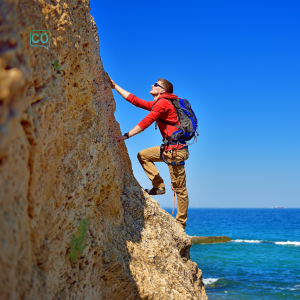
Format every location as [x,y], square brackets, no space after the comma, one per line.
[261,262]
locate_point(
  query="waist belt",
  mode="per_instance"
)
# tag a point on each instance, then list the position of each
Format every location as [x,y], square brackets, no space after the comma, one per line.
[181,144]
[177,142]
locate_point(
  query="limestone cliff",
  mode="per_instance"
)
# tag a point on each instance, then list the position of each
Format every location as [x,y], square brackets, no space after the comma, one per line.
[59,166]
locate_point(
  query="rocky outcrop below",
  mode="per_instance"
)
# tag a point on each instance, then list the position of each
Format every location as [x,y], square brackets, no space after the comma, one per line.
[75,223]
[209,239]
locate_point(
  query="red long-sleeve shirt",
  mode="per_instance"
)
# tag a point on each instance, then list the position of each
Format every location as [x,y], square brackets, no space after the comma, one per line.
[162,109]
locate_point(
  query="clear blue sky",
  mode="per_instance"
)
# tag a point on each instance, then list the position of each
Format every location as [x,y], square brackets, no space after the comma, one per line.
[238,63]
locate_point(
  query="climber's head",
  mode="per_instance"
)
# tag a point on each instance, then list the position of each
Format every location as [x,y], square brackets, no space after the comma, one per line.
[160,87]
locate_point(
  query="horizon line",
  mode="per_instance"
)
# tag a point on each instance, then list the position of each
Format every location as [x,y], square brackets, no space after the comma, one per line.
[237,207]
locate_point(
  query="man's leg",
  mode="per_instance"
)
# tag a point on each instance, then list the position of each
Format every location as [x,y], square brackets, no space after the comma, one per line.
[178,179]
[146,158]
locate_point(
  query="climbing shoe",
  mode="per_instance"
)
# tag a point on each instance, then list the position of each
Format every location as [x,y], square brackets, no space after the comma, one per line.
[156,191]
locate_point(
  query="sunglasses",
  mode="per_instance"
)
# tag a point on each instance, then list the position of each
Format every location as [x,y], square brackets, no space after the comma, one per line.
[156,84]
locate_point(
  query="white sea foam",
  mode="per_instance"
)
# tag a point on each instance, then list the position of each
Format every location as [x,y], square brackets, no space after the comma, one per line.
[252,241]
[295,288]
[288,243]
[210,280]
[286,288]
[247,241]
[259,241]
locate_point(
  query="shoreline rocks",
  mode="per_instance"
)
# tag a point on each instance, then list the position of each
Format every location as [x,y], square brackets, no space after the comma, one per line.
[209,239]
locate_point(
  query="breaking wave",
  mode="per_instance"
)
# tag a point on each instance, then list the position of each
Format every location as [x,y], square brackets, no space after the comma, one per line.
[210,280]
[267,242]
[288,243]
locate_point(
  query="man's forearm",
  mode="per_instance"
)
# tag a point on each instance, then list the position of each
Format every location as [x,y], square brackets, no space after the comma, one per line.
[122,92]
[137,129]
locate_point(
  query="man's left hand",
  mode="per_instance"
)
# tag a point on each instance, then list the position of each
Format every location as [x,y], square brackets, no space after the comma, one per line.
[119,138]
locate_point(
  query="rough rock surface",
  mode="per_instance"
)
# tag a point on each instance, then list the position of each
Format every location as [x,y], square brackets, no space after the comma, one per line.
[58,165]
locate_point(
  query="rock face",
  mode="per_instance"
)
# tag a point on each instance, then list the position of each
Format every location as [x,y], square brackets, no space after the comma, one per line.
[59,166]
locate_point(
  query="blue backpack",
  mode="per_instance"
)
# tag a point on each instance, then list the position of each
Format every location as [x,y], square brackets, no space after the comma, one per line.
[188,125]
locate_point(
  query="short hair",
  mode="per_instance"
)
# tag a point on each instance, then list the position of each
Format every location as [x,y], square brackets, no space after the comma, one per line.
[167,85]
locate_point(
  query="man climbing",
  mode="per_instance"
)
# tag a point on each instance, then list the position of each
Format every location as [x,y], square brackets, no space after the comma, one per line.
[161,110]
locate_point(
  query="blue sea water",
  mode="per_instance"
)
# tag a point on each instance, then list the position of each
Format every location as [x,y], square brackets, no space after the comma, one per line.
[261,262]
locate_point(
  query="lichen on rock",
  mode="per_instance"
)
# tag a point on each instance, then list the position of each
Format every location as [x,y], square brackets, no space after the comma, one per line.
[59,165]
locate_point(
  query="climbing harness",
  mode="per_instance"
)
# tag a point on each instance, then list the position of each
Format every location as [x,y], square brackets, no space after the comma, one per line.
[174,147]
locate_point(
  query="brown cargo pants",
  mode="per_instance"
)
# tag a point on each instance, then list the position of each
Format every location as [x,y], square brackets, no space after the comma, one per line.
[147,158]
